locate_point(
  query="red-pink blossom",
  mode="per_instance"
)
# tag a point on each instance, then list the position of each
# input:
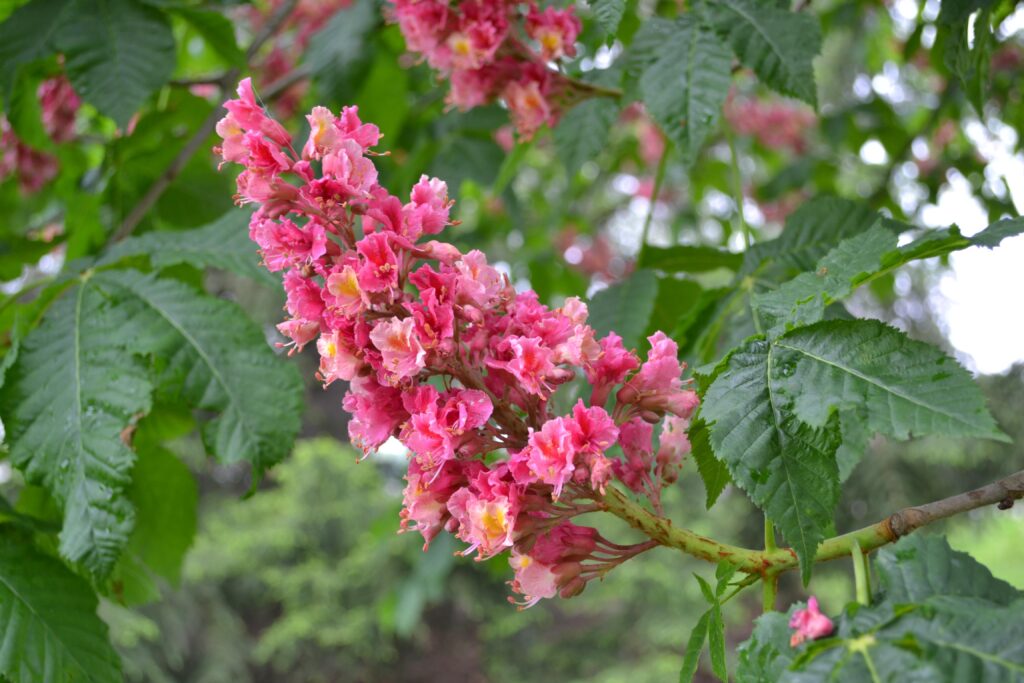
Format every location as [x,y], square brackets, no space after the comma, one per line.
[555,30]
[809,624]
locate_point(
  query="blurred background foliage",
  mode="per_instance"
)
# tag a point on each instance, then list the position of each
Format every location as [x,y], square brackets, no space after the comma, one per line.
[307,579]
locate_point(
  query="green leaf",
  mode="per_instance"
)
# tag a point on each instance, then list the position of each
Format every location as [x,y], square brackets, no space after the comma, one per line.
[625,308]
[165,497]
[28,35]
[17,252]
[811,232]
[713,471]
[779,45]
[341,41]
[675,300]
[688,259]
[802,300]
[217,30]
[117,52]
[49,631]
[716,643]
[767,653]
[788,468]
[684,90]
[65,401]
[609,14]
[904,387]
[583,132]
[223,244]
[923,565]
[218,362]
[693,648]
[647,44]
[942,618]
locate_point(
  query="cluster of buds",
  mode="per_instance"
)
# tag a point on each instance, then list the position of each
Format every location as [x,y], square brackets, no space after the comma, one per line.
[442,353]
[809,624]
[775,124]
[294,36]
[476,45]
[34,168]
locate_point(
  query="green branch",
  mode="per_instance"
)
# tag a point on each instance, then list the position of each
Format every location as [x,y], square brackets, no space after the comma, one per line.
[774,562]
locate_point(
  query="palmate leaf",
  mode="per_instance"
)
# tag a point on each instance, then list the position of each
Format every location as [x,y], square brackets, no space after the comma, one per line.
[777,44]
[685,88]
[773,410]
[217,361]
[786,467]
[936,627]
[49,631]
[64,403]
[713,471]
[223,244]
[901,387]
[79,381]
[117,52]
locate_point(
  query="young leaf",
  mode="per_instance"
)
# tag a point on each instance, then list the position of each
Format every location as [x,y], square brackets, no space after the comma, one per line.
[117,52]
[609,14]
[65,401]
[694,646]
[223,244]
[788,468]
[716,643]
[684,90]
[49,630]
[218,362]
[767,653]
[779,45]
[904,387]
[583,131]
[625,308]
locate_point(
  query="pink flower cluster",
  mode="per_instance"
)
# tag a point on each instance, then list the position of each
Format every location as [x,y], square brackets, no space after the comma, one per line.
[775,124]
[442,353]
[476,45]
[809,624]
[35,168]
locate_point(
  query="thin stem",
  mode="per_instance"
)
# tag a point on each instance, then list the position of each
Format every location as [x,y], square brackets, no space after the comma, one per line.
[737,188]
[748,581]
[860,574]
[1003,492]
[659,178]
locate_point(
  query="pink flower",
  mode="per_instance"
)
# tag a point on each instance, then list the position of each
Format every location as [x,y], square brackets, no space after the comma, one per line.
[402,353]
[342,294]
[609,368]
[355,175]
[426,495]
[303,297]
[554,564]
[376,410]
[324,136]
[530,364]
[486,512]
[379,269]
[658,386]
[555,29]
[673,447]
[478,284]
[300,331]
[427,212]
[284,244]
[338,358]
[550,454]
[809,624]
[528,105]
